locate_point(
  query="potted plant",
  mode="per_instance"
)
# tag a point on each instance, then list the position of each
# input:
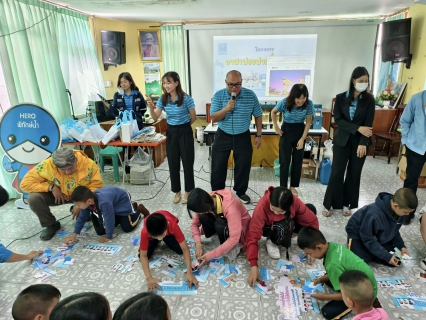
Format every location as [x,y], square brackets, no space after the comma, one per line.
[388,97]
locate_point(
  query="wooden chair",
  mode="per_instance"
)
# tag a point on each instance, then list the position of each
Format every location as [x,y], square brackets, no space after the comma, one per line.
[333,125]
[391,136]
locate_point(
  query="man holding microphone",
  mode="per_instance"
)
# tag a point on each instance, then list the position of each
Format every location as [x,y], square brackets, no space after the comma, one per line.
[232,109]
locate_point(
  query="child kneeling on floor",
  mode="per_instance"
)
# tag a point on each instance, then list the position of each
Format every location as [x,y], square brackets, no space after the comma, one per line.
[374,229]
[358,295]
[108,207]
[162,225]
[278,215]
[337,259]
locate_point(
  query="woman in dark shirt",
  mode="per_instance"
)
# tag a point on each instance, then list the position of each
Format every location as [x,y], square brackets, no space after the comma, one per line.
[354,114]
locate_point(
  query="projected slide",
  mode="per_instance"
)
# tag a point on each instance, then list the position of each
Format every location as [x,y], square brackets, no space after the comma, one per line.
[270,65]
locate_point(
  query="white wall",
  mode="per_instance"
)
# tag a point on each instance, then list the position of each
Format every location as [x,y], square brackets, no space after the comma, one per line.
[341,46]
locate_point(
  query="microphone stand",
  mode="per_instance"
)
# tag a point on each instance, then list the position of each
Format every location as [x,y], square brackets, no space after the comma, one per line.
[72,107]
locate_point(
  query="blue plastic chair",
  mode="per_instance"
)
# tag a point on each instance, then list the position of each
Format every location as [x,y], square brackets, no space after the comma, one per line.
[110,152]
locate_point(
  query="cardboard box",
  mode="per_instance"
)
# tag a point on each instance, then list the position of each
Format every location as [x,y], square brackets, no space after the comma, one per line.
[308,169]
[402,165]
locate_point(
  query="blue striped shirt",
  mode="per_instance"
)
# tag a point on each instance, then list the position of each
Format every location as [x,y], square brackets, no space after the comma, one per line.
[246,105]
[353,106]
[128,99]
[177,115]
[297,115]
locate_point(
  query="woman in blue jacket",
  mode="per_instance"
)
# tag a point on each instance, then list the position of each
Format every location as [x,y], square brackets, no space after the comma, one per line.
[128,98]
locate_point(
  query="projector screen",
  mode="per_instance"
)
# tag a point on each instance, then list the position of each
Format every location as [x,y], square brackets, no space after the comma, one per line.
[337,47]
[269,65]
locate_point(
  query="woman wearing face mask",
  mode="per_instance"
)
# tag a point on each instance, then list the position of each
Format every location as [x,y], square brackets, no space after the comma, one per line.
[180,110]
[128,98]
[354,114]
[296,108]
[271,219]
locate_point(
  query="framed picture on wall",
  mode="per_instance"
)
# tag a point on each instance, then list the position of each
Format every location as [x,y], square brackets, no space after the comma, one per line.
[149,45]
[399,88]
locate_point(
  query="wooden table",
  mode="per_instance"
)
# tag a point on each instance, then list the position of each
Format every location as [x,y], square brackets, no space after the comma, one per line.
[159,153]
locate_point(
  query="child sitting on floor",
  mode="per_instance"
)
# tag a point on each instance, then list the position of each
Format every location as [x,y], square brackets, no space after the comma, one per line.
[374,229]
[35,302]
[358,295]
[162,225]
[82,306]
[108,207]
[337,259]
[143,306]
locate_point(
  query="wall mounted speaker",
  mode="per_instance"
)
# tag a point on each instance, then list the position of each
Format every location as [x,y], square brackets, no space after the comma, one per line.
[113,47]
[396,40]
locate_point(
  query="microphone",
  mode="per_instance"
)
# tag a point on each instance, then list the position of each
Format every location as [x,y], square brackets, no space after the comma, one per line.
[233,95]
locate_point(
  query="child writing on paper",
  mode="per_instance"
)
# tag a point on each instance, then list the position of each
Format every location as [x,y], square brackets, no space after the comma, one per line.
[337,259]
[7,255]
[108,207]
[218,212]
[374,229]
[162,225]
[358,295]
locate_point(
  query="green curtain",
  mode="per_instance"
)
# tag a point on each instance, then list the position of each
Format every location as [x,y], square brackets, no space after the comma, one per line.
[173,52]
[387,68]
[44,51]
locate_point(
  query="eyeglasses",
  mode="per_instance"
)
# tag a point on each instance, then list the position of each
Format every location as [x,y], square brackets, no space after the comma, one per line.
[233,85]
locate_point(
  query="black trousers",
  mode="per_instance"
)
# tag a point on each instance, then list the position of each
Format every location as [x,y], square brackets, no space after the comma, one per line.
[277,233]
[243,150]
[127,223]
[361,251]
[180,145]
[334,309]
[211,226]
[292,132]
[415,164]
[341,190]
[171,242]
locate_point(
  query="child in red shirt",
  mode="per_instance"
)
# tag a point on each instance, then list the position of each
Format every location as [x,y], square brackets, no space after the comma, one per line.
[162,225]
[269,219]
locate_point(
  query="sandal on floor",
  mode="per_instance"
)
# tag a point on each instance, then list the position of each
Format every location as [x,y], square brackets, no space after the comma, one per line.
[346,212]
[176,199]
[294,191]
[326,213]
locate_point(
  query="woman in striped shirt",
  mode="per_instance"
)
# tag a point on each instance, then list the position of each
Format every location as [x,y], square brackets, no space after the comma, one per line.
[296,108]
[180,110]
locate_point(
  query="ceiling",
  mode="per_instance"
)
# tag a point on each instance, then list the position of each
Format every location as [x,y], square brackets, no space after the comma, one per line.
[237,10]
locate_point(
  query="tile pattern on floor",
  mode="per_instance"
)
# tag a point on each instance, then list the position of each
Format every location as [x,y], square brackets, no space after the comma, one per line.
[92,271]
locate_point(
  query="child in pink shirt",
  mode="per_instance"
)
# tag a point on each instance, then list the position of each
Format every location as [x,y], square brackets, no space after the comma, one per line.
[218,212]
[358,295]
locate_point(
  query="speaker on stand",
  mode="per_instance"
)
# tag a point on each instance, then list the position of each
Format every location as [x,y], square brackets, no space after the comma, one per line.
[113,48]
[396,42]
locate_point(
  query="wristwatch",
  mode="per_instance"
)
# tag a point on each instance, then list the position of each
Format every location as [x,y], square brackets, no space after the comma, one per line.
[51,188]
[258,136]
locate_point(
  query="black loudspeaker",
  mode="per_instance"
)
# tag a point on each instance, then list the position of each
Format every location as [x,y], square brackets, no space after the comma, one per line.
[113,47]
[396,40]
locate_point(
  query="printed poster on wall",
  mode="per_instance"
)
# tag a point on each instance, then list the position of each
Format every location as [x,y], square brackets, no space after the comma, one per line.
[152,79]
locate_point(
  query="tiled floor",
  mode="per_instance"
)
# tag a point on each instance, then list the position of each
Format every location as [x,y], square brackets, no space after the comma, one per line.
[92,271]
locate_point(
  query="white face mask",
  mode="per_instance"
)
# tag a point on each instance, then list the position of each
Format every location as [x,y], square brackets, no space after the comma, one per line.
[120,90]
[361,87]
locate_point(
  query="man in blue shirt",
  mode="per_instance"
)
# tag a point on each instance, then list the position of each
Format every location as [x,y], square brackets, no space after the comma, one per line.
[413,125]
[232,108]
